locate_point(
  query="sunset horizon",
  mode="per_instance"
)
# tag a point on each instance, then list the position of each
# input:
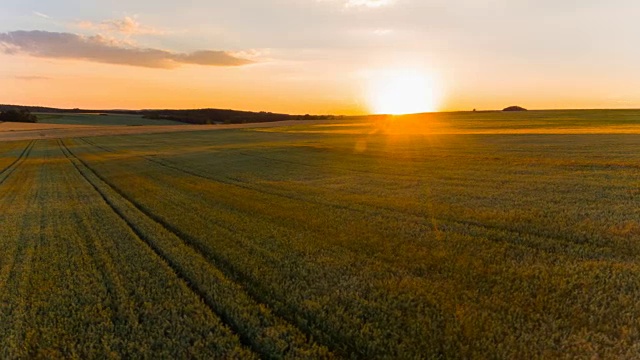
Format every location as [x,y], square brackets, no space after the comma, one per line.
[353,114]
[342,57]
[319,179]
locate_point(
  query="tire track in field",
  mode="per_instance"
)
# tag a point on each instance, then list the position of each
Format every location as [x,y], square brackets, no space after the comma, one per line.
[122,312]
[227,268]
[231,182]
[19,275]
[142,237]
[448,222]
[441,223]
[488,232]
[324,167]
[10,273]
[336,342]
[241,184]
[266,318]
[457,226]
[12,167]
[313,327]
[9,268]
[17,304]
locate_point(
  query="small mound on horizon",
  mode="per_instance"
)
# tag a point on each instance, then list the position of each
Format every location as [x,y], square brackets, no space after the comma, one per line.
[514,108]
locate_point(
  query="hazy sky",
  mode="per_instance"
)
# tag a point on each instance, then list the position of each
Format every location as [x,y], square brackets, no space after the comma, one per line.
[318,56]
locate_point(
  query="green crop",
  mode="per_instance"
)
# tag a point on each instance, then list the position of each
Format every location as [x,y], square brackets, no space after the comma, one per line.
[300,243]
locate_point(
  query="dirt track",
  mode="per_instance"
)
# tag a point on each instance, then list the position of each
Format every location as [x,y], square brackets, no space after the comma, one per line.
[25,131]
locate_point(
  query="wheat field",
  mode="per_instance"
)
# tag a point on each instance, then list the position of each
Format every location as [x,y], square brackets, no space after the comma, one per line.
[389,238]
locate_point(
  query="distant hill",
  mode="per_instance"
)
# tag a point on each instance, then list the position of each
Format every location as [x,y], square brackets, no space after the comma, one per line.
[514,108]
[191,116]
[218,116]
[43,109]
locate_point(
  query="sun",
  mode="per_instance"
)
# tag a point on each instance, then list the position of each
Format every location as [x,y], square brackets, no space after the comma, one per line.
[401,91]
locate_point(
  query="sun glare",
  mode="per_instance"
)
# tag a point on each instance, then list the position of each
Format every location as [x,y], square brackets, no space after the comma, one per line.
[398,92]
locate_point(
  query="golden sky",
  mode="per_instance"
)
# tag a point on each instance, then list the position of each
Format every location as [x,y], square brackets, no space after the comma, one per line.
[320,56]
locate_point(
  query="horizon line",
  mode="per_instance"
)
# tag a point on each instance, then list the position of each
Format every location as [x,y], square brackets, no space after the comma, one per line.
[327,114]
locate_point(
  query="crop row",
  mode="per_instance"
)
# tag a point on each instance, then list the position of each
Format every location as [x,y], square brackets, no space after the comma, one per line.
[592,216]
[401,281]
[264,332]
[11,163]
[78,283]
[274,266]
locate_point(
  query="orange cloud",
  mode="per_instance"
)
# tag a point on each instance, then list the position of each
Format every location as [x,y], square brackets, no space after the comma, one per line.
[126,26]
[102,49]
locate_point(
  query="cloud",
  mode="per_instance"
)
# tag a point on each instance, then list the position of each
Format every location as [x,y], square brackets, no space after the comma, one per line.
[103,49]
[126,26]
[39,14]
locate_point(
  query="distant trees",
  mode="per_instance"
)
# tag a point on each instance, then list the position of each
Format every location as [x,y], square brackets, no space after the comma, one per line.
[219,116]
[18,115]
[190,116]
[514,108]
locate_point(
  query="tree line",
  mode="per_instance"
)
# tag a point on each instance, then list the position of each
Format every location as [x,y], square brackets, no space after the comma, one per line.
[219,116]
[22,115]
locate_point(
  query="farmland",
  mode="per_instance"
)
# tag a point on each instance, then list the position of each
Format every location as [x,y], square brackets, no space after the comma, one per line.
[100,119]
[482,235]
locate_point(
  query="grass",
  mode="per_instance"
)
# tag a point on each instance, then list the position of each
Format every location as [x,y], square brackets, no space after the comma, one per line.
[102,120]
[490,122]
[294,243]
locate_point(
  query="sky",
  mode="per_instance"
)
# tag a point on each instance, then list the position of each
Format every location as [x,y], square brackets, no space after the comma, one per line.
[320,56]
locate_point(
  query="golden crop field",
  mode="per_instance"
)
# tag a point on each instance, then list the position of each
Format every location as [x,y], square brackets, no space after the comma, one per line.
[482,235]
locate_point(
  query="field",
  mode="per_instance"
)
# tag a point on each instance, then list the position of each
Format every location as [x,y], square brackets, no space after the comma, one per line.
[10,131]
[482,235]
[98,119]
